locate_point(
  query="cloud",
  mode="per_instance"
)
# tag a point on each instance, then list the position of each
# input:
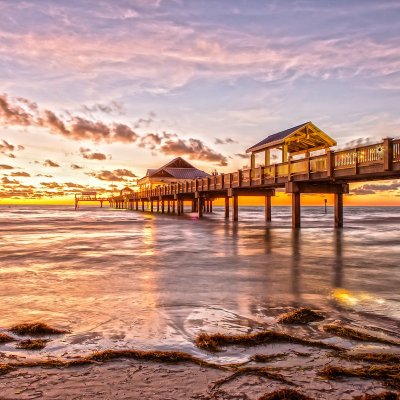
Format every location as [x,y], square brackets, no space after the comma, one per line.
[52,185]
[14,114]
[224,141]
[110,108]
[244,156]
[73,185]
[124,134]
[75,166]
[7,181]
[45,176]
[4,166]
[21,174]
[118,175]
[150,141]
[374,188]
[195,149]
[6,148]
[49,163]
[86,153]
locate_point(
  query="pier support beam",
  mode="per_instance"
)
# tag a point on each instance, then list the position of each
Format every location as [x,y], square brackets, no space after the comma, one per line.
[162,206]
[339,210]
[151,206]
[296,210]
[158,205]
[226,207]
[142,205]
[235,206]
[173,206]
[200,206]
[211,206]
[168,206]
[268,213]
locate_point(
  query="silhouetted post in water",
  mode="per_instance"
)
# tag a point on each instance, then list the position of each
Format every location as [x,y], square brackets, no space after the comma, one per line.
[235,207]
[137,205]
[182,207]
[226,207]
[268,215]
[143,205]
[210,206]
[168,206]
[178,206]
[325,201]
[162,206]
[200,206]
[151,206]
[339,210]
[338,265]
[296,210]
[158,205]
[173,206]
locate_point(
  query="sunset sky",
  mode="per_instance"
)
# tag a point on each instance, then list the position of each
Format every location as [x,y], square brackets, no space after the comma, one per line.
[92,92]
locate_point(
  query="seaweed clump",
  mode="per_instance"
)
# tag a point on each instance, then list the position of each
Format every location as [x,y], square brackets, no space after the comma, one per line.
[32,344]
[213,342]
[390,374]
[300,316]
[379,396]
[36,329]
[160,356]
[5,369]
[262,358]
[285,394]
[4,338]
[384,358]
[344,331]
[264,372]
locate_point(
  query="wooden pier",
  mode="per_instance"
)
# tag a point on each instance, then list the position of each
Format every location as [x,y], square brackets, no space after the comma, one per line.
[328,173]
[89,197]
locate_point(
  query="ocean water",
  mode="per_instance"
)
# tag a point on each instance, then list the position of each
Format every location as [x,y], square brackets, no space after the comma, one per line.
[118,278]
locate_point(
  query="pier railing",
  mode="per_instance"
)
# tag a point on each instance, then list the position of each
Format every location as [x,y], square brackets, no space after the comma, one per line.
[348,165]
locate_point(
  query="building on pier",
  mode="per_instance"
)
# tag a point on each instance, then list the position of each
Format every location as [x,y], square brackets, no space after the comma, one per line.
[175,171]
[297,142]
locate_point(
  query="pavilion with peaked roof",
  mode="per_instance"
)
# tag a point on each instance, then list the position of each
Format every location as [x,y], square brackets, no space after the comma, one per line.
[299,140]
[177,170]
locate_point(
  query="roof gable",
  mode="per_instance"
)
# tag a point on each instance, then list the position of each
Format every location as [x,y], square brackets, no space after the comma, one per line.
[306,136]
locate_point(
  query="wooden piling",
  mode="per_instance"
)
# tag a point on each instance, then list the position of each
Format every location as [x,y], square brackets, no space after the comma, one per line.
[339,210]
[226,207]
[235,207]
[268,213]
[296,210]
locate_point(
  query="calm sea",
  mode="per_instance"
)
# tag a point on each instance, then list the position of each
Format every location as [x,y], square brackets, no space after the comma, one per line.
[121,278]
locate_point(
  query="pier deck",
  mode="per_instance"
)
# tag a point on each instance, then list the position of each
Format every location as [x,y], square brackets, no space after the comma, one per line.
[329,173]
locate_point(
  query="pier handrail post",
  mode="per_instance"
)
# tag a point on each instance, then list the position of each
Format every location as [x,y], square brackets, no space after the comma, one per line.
[387,154]
[329,163]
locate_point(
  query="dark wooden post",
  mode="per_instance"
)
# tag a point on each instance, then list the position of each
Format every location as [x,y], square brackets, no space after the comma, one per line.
[168,206]
[226,207]
[338,210]
[158,205]
[173,206]
[142,205]
[178,206]
[210,206]
[329,163]
[268,213]
[182,207]
[137,205]
[162,206]
[101,203]
[200,206]
[235,206]
[151,205]
[296,210]
[387,154]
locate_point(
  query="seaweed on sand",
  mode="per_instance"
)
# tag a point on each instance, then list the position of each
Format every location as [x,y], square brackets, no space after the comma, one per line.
[5,369]
[347,332]
[264,372]
[379,396]
[262,358]
[213,342]
[390,374]
[4,338]
[36,329]
[32,344]
[300,316]
[160,356]
[384,358]
[285,394]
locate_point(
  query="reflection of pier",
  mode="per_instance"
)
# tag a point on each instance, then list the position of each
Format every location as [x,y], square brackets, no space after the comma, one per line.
[88,197]
[302,169]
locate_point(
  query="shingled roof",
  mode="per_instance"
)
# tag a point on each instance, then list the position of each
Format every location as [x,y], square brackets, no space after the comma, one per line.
[301,137]
[177,168]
